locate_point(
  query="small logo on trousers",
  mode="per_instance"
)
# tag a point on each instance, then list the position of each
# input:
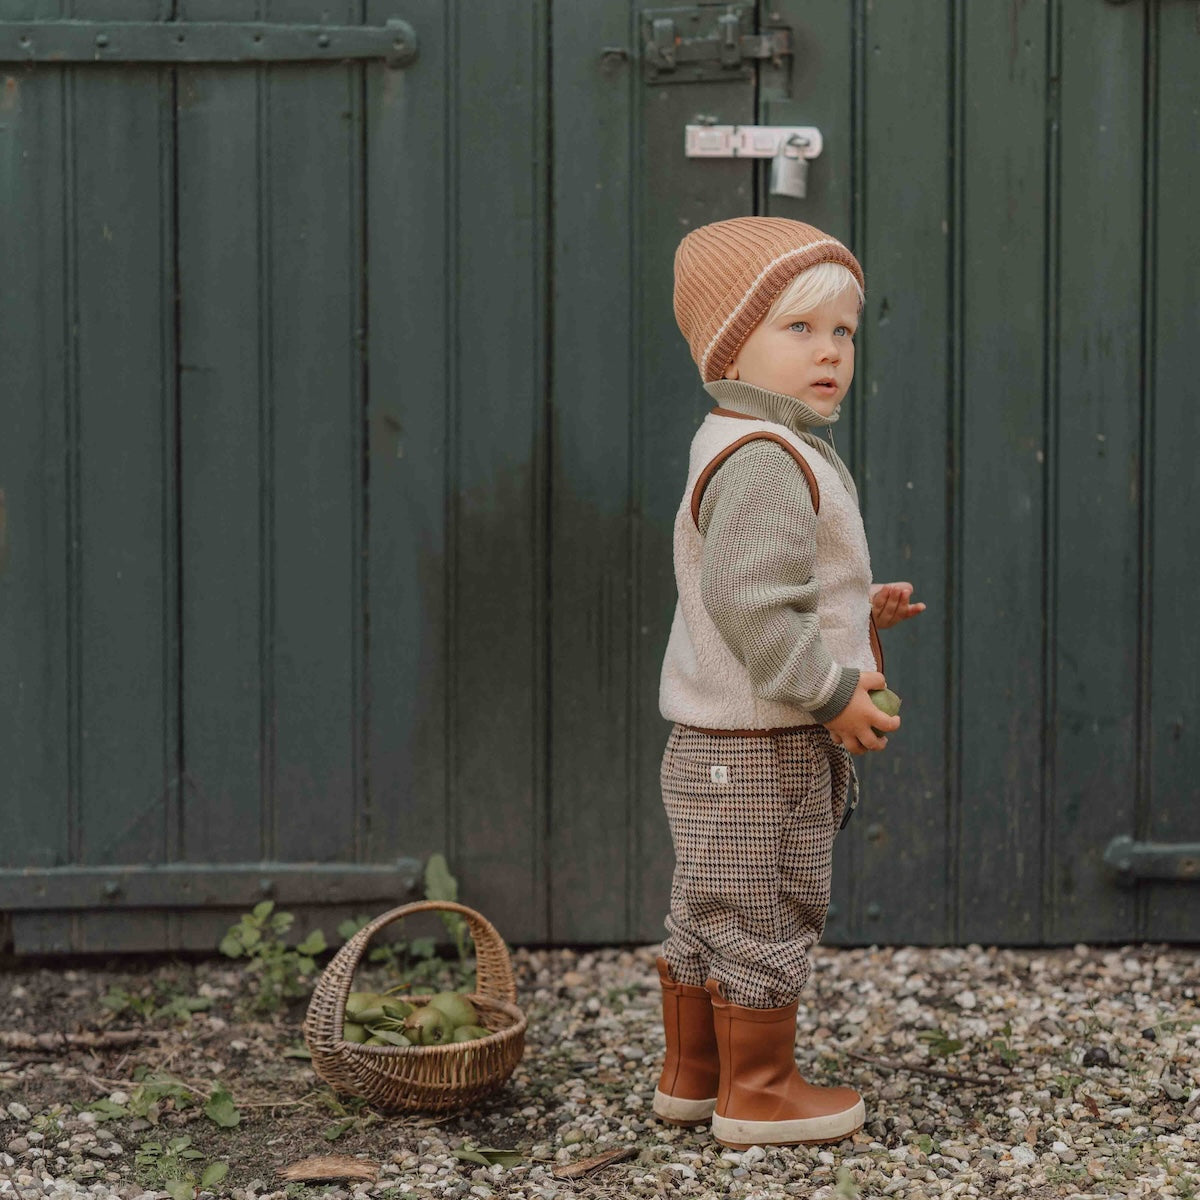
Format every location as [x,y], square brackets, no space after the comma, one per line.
[719,774]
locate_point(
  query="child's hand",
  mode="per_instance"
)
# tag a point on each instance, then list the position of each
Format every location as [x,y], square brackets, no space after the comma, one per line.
[852,726]
[890,604]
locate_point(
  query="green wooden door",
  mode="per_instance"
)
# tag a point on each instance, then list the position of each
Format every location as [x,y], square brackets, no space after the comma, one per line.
[343,419]
[1017,191]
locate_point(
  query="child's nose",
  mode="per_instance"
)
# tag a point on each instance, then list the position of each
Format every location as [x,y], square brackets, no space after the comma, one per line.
[829,350]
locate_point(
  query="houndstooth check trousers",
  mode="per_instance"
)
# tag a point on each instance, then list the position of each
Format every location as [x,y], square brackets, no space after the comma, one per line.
[753,821]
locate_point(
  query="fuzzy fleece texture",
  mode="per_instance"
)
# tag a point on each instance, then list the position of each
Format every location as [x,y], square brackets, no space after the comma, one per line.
[709,683]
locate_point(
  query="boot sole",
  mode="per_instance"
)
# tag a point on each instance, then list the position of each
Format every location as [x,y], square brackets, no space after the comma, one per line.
[677,1111]
[805,1131]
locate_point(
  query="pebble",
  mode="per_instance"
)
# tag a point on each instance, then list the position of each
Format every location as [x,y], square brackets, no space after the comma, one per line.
[1029,1023]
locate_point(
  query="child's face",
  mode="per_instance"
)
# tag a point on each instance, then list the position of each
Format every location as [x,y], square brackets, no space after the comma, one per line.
[809,355]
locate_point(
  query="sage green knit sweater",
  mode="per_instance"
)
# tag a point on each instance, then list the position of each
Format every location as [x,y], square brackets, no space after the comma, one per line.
[764,602]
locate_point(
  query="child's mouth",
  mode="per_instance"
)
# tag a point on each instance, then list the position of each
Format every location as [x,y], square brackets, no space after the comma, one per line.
[825,385]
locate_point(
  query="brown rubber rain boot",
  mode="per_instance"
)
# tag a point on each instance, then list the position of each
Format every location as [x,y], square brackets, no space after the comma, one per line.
[762,1100]
[687,1089]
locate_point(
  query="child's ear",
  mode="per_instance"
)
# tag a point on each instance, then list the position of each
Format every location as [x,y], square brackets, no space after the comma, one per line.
[731,372]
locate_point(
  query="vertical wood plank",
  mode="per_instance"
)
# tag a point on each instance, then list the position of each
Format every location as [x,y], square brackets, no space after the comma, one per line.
[900,869]
[1172,408]
[592,368]
[498,447]
[1003,474]
[1095,608]
[222,534]
[408,202]
[125,433]
[672,195]
[126,557]
[35,383]
[316,450]
[817,87]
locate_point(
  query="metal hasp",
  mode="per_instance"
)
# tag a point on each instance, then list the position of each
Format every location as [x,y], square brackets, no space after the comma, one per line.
[1134,861]
[705,43]
[62,42]
[204,885]
[749,141]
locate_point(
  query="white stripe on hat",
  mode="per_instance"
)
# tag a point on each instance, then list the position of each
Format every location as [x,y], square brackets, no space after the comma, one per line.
[750,292]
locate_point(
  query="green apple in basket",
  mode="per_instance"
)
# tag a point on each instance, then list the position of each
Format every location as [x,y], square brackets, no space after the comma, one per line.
[365,1008]
[428,1026]
[470,1033]
[456,1006]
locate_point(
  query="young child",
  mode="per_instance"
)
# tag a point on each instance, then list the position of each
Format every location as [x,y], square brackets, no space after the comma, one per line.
[772,654]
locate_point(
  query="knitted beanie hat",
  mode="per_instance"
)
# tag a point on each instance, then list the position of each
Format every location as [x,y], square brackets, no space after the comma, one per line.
[728,274]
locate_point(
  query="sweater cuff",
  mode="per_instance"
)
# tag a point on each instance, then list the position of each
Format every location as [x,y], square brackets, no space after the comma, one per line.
[841,696]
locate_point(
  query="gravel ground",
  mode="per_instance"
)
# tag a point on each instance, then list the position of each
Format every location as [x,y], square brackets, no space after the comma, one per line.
[1045,1073]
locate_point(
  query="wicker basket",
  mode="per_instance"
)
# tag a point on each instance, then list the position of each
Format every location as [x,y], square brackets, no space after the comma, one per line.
[424,1078]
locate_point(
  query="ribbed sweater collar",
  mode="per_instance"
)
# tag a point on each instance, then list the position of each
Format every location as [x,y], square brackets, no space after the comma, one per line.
[787,411]
[767,406]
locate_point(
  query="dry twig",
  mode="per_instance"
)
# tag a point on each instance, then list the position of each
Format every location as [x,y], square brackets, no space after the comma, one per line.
[885,1064]
[14,1039]
[585,1166]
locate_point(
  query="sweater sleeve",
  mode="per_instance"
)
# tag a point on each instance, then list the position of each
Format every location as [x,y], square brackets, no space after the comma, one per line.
[759,528]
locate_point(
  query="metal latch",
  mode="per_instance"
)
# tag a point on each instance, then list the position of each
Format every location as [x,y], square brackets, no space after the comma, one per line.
[749,141]
[788,146]
[1134,861]
[706,42]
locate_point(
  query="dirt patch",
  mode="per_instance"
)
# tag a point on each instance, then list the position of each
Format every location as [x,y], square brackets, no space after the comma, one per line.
[181,1058]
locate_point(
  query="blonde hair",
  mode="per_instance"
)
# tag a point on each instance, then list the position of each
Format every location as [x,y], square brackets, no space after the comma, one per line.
[814,287]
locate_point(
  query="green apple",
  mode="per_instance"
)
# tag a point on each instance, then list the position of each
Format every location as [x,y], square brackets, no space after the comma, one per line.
[888,703]
[428,1026]
[470,1033]
[456,1006]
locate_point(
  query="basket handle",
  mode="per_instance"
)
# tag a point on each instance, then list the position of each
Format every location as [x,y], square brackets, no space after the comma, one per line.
[493,966]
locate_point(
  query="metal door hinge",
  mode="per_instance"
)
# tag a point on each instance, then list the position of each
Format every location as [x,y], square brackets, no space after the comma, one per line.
[706,42]
[62,42]
[1134,861]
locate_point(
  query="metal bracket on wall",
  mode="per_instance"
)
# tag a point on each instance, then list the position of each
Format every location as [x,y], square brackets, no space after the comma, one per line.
[205,885]
[1172,861]
[70,42]
[704,43]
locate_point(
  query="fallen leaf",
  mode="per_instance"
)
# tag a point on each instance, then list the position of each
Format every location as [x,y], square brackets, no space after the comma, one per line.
[1092,1106]
[489,1156]
[585,1166]
[331,1166]
[221,1109]
[213,1174]
[335,1131]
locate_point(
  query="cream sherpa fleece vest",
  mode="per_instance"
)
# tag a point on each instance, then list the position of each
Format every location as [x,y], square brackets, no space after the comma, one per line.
[703,683]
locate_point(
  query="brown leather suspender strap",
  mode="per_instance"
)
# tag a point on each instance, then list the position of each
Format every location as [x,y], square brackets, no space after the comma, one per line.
[759,436]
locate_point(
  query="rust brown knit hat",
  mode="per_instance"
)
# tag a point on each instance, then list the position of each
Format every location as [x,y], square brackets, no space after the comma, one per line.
[728,274]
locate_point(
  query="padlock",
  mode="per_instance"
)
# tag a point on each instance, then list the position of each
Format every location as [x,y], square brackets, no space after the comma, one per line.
[789,169]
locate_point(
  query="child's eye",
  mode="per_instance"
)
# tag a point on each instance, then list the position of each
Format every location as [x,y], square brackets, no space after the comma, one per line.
[844,331]
[799,326]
